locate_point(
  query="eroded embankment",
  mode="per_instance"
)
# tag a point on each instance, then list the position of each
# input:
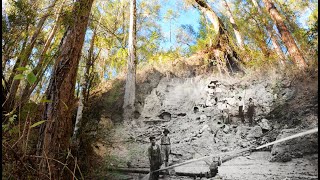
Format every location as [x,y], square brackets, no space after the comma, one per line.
[284,105]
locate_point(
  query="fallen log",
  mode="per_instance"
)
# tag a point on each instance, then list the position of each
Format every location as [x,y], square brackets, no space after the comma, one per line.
[132,170]
[155,121]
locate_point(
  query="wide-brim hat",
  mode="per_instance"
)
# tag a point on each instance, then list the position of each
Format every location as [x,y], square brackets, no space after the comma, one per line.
[166,131]
[214,82]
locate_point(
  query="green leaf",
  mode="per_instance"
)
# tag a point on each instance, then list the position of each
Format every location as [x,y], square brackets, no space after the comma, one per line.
[37,123]
[12,118]
[3,83]
[46,101]
[31,78]
[5,127]
[19,76]
[22,69]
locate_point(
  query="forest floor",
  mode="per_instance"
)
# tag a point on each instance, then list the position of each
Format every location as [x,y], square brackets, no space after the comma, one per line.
[286,104]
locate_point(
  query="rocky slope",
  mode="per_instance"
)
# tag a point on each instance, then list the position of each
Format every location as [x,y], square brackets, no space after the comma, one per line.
[285,104]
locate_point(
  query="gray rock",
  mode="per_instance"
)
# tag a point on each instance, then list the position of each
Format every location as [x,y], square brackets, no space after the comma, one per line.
[226,129]
[203,118]
[193,138]
[224,149]
[264,124]
[295,147]
[281,157]
[255,132]
[244,144]
[242,131]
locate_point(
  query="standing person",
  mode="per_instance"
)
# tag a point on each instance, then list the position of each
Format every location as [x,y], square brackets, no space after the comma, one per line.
[241,108]
[165,146]
[154,156]
[210,95]
[250,111]
[225,112]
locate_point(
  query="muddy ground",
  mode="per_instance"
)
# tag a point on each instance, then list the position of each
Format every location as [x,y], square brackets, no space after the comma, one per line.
[255,166]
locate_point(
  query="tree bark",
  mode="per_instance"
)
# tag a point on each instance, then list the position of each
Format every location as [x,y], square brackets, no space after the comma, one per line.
[286,36]
[272,33]
[130,87]
[234,25]
[58,113]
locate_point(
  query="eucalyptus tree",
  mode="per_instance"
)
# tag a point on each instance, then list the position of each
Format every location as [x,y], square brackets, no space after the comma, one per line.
[22,61]
[234,25]
[60,93]
[43,61]
[272,34]
[130,87]
[286,36]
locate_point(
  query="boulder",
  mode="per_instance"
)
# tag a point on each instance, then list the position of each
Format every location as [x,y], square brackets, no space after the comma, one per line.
[203,118]
[296,147]
[255,132]
[224,149]
[242,131]
[280,157]
[244,144]
[265,125]
[205,127]
[226,129]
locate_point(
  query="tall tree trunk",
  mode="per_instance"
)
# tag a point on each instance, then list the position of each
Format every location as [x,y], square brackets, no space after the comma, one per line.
[130,87]
[58,113]
[40,67]
[80,108]
[286,36]
[226,54]
[23,61]
[234,25]
[84,81]
[214,19]
[9,97]
[272,33]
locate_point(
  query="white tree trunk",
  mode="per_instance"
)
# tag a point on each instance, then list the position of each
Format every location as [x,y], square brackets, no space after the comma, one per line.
[214,19]
[84,81]
[234,25]
[80,107]
[130,87]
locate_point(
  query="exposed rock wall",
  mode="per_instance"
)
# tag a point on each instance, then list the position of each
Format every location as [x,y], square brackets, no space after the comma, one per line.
[179,104]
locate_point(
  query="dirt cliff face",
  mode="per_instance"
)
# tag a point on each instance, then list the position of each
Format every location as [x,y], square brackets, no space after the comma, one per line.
[197,128]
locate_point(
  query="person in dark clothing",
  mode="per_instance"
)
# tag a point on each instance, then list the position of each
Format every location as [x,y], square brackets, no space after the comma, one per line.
[155,160]
[165,147]
[250,111]
[241,109]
